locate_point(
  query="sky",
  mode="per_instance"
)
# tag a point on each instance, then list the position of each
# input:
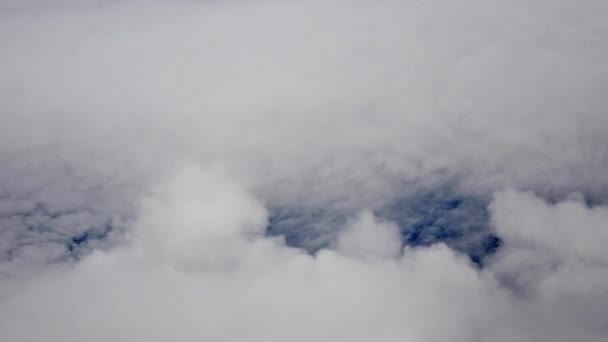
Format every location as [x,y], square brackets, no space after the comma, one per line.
[281,170]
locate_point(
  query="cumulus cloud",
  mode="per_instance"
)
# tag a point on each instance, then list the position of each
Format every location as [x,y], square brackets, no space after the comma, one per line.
[199,273]
[544,241]
[368,237]
[215,279]
[291,171]
[552,258]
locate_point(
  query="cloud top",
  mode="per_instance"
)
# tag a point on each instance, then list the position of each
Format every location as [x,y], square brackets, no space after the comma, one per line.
[147,150]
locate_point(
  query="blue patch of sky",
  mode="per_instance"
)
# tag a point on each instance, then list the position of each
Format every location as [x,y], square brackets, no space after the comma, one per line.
[79,243]
[460,221]
[424,218]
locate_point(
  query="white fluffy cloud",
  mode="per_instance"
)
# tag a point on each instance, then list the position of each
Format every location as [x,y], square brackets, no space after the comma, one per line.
[215,278]
[553,259]
[551,249]
[368,237]
[200,274]
[345,106]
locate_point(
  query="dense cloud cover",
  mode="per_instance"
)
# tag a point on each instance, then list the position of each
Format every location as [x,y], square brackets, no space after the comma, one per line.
[304,170]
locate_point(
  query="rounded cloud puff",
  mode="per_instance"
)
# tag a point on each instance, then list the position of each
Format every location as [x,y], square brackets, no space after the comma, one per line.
[238,284]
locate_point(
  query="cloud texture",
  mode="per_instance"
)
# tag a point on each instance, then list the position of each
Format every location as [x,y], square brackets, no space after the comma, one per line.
[180,276]
[152,156]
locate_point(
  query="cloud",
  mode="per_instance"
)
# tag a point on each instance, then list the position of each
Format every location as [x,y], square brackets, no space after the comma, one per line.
[544,242]
[192,272]
[215,278]
[200,220]
[162,164]
[310,105]
[341,103]
[368,237]
[553,260]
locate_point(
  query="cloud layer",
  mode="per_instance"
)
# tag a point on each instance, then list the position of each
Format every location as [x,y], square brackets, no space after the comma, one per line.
[198,266]
[297,171]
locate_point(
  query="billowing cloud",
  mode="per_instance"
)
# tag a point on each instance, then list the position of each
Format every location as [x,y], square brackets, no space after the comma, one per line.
[553,261]
[297,171]
[198,266]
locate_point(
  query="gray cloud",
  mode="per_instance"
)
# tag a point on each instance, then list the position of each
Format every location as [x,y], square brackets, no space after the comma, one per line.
[505,94]
[348,114]
[197,266]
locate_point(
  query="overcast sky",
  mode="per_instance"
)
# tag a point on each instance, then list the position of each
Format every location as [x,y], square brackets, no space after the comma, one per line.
[304,171]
